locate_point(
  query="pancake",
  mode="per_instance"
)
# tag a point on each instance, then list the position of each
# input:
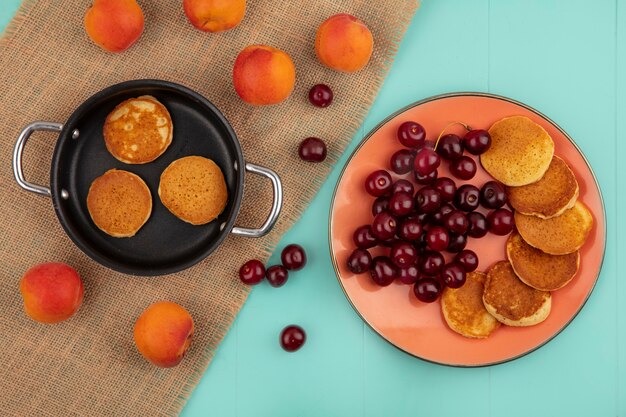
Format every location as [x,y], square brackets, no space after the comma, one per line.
[511,301]
[520,151]
[138,130]
[119,203]
[558,235]
[193,189]
[464,311]
[554,193]
[538,269]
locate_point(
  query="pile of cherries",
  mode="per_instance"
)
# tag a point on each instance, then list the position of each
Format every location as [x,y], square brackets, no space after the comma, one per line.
[314,149]
[416,226]
[292,257]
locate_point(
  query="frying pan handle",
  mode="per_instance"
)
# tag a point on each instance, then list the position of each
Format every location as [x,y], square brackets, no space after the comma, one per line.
[18,151]
[276,205]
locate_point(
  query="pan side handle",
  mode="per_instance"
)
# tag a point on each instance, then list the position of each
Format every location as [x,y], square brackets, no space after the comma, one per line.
[277,204]
[18,152]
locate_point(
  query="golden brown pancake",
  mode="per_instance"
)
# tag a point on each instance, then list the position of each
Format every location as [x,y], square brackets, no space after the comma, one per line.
[193,189]
[554,193]
[520,151]
[138,130]
[119,203]
[538,269]
[558,235]
[511,301]
[464,311]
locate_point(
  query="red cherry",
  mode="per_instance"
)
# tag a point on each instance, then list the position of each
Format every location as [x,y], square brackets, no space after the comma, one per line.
[477,141]
[478,226]
[277,275]
[437,238]
[403,254]
[463,168]
[457,243]
[383,271]
[453,275]
[501,221]
[431,263]
[411,134]
[425,179]
[252,272]
[410,229]
[380,204]
[402,186]
[467,259]
[384,226]
[378,183]
[456,222]
[401,204]
[320,95]
[446,188]
[364,238]
[312,150]
[426,161]
[408,275]
[359,261]
[437,217]
[402,162]
[450,147]
[292,338]
[427,290]
[293,257]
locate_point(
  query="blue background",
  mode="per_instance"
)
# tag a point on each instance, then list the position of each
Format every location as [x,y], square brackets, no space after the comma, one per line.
[566,58]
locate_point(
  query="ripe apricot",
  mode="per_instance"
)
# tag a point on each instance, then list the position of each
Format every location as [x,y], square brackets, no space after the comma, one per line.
[263,75]
[52,292]
[214,15]
[114,25]
[163,333]
[344,43]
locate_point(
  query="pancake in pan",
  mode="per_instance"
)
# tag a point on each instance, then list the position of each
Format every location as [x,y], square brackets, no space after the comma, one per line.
[138,130]
[119,203]
[193,189]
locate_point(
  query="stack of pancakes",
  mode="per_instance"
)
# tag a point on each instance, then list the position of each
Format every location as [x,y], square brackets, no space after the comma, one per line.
[138,131]
[543,254]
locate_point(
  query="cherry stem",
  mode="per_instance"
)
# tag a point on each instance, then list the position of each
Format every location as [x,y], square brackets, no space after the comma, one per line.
[465,125]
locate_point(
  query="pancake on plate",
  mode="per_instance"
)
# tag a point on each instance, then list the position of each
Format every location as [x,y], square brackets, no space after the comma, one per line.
[554,193]
[193,189]
[119,203]
[520,151]
[511,301]
[138,130]
[558,235]
[464,311]
[538,269]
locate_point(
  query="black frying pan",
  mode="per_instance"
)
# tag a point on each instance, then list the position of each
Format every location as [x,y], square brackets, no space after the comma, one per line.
[165,244]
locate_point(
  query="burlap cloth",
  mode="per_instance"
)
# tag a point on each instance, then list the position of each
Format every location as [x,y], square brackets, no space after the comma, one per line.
[88,365]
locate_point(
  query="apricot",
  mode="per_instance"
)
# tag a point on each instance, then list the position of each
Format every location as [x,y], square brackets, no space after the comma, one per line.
[163,333]
[263,75]
[214,15]
[344,43]
[52,292]
[114,25]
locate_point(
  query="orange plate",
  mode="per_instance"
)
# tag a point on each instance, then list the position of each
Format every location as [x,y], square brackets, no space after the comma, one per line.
[393,312]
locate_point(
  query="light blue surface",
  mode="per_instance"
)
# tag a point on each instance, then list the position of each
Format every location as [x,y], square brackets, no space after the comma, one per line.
[566,58]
